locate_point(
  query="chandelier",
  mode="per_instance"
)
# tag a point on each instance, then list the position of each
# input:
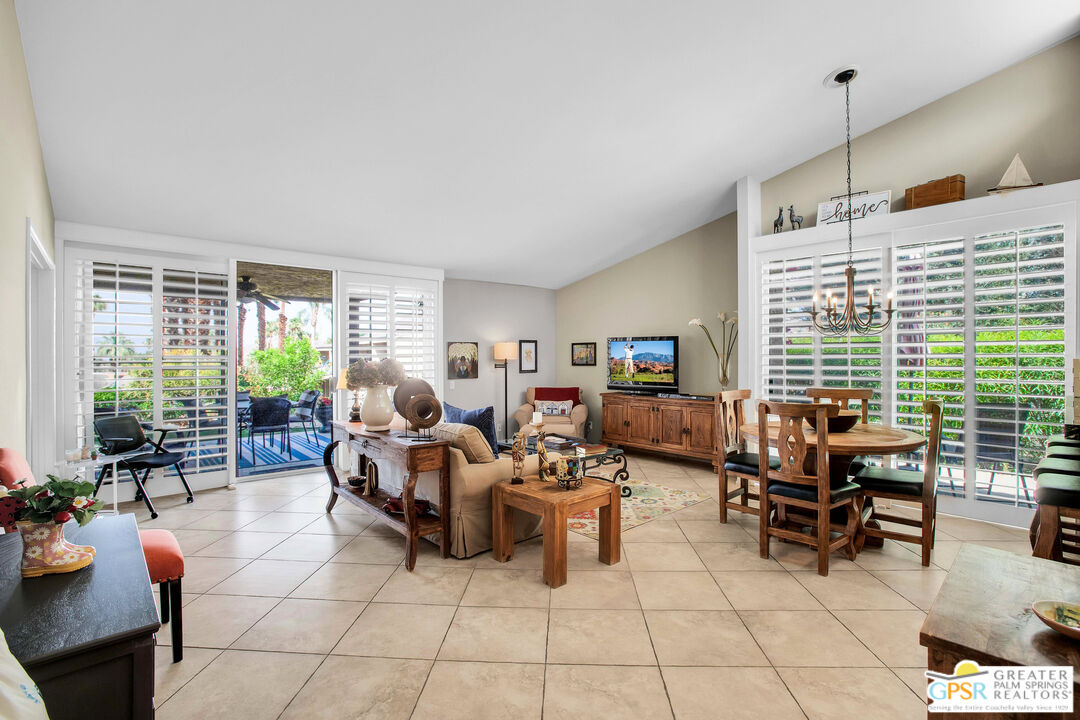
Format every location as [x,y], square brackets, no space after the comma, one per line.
[846,318]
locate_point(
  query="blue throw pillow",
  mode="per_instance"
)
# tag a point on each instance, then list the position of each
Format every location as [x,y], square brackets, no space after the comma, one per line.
[483,419]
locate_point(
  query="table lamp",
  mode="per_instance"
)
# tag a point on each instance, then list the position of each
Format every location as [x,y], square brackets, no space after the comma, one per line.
[504,352]
[343,384]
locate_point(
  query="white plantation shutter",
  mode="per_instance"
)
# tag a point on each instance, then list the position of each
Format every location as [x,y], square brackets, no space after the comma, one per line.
[855,360]
[414,323]
[787,337]
[367,323]
[1019,356]
[195,365]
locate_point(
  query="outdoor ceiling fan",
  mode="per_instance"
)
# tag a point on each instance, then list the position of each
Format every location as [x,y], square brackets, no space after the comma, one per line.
[248,290]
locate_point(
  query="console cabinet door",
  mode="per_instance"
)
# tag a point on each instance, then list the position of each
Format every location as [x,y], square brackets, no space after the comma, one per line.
[672,434]
[702,425]
[616,424]
[642,423]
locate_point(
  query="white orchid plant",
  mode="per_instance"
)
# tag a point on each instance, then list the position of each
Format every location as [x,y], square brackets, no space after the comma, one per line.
[729,331]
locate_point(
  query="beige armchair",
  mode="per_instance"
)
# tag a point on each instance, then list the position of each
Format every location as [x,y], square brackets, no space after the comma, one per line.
[574,424]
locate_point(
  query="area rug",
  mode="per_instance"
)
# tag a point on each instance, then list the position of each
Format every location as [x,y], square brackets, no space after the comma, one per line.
[648,502]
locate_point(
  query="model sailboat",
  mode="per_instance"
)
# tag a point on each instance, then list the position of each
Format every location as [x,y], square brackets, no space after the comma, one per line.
[1015,178]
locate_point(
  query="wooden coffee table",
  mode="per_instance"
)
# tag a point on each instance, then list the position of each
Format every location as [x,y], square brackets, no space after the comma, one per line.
[555,505]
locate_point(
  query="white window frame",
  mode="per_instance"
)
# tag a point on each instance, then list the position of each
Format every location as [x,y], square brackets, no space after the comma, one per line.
[1050,205]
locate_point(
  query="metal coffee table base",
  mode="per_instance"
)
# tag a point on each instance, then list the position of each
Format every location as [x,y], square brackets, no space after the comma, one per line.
[619,476]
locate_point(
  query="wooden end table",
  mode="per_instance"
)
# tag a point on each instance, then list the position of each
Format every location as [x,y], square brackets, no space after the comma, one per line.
[555,505]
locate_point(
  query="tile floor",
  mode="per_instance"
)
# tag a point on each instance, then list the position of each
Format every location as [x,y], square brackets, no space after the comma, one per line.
[290,613]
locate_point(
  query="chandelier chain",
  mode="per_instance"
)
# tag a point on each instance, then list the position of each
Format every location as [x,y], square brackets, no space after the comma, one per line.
[847,118]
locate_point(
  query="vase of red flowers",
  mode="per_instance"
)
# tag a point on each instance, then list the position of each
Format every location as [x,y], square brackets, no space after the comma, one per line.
[324,413]
[40,513]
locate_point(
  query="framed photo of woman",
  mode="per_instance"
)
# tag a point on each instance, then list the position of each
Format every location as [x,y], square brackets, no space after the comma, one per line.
[527,356]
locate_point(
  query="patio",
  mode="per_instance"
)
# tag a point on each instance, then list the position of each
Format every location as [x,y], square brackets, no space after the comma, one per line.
[307,451]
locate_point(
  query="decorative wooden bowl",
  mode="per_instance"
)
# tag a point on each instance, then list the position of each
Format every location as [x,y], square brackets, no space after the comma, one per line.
[841,422]
[1061,616]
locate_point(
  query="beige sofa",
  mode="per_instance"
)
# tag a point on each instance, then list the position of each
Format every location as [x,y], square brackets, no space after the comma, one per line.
[574,424]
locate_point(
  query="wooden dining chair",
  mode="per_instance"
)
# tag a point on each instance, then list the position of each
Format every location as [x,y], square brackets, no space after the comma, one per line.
[738,464]
[800,488]
[843,398]
[910,486]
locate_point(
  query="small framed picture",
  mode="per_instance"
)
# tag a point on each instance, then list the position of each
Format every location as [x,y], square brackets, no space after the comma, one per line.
[461,360]
[583,353]
[527,356]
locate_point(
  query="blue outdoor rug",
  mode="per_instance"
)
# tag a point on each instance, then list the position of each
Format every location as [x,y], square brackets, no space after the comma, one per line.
[305,452]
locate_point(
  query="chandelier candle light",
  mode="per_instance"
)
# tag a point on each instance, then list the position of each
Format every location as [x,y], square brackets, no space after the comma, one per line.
[862,320]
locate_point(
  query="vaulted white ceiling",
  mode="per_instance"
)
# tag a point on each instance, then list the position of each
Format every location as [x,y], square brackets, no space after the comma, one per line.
[522,142]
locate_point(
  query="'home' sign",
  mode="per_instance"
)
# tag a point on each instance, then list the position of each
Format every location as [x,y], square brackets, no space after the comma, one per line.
[835,210]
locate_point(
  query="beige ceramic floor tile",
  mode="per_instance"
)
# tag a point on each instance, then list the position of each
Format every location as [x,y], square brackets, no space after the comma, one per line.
[427,585]
[664,530]
[339,524]
[216,621]
[342,581]
[307,626]
[918,586]
[170,677]
[307,546]
[226,520]
[702,637]
[481,691]
[378,528]
[679,591]
[317,504]
[491,634]
[869,693]
[765,591]
[1017,547]
[796,556]
[572,693]
[599,637]
[241,685]
[243,544]
[264,503]
[892,635]
[506,588]
[586,557]
[168,518]
[274,578]
[528,555]
[974,530]
[944,552]
[806,638]
[853,591]
[707,510]
[280,521]
[429,554]
[730,557]
[376,689]
[729,693]
[891,556]
[374,550]
[203,573]
[714,531]
[397,630]
[661,556]
[191,541]
[914,678]
[596,590]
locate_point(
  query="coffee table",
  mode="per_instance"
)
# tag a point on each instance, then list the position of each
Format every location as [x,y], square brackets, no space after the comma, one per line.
[611,456]
[555,505]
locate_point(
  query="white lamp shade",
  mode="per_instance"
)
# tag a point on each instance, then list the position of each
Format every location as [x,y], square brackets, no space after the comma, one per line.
[506,351]
[342,382]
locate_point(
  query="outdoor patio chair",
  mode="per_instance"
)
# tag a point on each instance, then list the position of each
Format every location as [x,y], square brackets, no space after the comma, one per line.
[269,415]
[123,435]
[305,413]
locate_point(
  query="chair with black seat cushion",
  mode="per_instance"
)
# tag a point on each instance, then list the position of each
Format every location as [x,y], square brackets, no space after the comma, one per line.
[123,435]
[843,398]
[1056,466]
[304,413]
[908,485]
[269,415]
[1056,528]
[1063,451]
[738,464]
[800,489]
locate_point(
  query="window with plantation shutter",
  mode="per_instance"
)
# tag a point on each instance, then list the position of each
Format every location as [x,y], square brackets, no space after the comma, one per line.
[367,322]
[787,337]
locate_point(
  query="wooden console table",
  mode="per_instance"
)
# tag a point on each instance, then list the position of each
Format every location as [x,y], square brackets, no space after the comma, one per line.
[86,637]
[415,457]
[680,426]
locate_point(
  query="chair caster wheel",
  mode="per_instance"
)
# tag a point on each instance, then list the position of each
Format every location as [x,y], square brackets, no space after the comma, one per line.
[153,516]
[191,499]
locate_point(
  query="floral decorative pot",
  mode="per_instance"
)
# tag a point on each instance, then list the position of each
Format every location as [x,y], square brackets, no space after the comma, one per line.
[377,411]
[45,551]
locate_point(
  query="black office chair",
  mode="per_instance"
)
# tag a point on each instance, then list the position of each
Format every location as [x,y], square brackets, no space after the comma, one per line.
[269,415]
[122,435]
[305,413]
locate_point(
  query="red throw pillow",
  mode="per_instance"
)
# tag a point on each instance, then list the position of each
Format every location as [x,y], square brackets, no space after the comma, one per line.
[557,394]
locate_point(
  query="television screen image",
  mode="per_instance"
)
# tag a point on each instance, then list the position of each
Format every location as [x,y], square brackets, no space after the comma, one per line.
[643,362]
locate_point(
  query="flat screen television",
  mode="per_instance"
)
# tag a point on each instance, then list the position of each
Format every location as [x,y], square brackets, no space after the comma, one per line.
[643,363]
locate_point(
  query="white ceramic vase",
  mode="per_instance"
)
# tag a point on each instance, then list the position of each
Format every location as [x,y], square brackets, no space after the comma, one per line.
[377,411]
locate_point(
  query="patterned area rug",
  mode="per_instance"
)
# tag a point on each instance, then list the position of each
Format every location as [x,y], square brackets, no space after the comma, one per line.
[648,502]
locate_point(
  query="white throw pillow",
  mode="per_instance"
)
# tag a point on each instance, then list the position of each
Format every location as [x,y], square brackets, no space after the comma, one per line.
[560,408]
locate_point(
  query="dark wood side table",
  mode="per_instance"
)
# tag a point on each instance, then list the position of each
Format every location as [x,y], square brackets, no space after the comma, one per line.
[555,505]
[87,637]
[416,457]
[983,613]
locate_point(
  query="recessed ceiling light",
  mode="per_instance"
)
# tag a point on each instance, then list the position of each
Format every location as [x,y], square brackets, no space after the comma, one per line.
[840,76]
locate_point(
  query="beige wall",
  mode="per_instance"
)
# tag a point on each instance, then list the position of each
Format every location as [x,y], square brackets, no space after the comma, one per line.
[654,293]
[24,192]
[1031,108]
